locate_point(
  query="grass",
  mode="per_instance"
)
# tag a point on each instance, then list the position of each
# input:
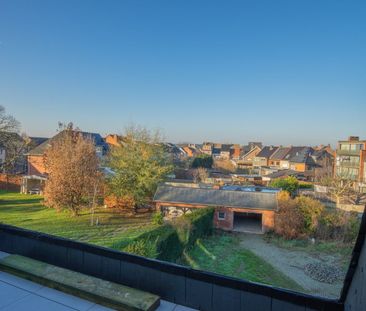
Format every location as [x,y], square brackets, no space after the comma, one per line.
[114,228]
[222,253]
[318,247]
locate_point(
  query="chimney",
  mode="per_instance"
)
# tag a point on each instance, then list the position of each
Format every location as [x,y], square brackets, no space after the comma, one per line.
[354,138]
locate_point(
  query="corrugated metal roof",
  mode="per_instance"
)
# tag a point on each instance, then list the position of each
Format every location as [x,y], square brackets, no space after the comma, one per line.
[216,197]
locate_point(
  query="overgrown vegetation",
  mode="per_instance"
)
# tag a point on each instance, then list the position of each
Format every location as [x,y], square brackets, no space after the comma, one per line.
[202,160]
[289,184]
[221,253]
[168,242]
[304,217]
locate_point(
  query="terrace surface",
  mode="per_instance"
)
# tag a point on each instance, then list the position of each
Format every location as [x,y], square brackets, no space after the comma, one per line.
[20,294]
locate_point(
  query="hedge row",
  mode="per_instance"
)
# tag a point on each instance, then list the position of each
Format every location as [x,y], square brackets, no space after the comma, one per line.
[168,242]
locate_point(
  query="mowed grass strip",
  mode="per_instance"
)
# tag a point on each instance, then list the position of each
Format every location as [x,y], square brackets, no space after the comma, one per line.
[222,253]
[114,228]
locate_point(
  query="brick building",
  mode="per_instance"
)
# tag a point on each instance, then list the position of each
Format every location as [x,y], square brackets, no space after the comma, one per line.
[350,161]
[36,169]
[237,210]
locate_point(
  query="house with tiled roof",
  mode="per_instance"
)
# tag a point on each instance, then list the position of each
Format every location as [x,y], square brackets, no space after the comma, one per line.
[36,169]
[276,158]
[246,159]
[262,158]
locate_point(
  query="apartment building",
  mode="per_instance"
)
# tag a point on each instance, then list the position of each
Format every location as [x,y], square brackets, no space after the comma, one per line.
[351,161]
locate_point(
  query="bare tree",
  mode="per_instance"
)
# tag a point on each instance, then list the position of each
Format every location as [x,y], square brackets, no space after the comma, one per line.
[339,187]
[11,142]
[73,177]
[8,124]
[200,174]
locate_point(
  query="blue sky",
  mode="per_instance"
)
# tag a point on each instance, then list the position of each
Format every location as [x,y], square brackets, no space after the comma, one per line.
[281,72]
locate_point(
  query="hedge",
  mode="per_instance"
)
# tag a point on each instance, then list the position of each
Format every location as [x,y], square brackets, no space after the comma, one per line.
[168,242]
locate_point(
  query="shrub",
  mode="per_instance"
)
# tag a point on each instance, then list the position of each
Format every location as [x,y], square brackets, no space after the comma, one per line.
[289,222]
[289,184]
[143,248]
[168,242]
[338,225]
[158,218]
[202,160]
[310,210]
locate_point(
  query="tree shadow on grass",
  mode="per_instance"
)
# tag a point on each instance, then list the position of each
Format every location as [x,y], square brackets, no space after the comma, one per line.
[20,201]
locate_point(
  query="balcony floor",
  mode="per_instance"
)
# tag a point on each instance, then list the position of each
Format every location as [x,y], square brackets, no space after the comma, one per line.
[19,294]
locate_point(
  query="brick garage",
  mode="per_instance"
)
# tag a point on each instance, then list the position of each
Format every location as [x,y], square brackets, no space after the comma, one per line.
[234,210]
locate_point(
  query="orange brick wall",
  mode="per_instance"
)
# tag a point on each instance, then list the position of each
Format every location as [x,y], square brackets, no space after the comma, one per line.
[112,139]
[228,222]
[298,167]
[36,165]
[10,182]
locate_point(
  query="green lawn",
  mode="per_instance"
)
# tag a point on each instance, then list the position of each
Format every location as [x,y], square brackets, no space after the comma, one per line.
[221,253]
[114,228]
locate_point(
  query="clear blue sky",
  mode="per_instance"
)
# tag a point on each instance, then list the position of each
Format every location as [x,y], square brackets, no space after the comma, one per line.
[282,72]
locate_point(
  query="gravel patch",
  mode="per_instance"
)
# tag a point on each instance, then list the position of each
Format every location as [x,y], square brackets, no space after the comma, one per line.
[323,272]
[298,265]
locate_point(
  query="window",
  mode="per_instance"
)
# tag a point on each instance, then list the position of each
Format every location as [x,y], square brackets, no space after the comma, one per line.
[356,147]
[345,147]
[221,216]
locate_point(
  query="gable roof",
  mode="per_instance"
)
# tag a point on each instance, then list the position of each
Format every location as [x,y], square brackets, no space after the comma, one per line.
[246,154]
[280,153]
[41,149]
[36,141]
[216,197]
[299,154]
[293,152]
[267,151]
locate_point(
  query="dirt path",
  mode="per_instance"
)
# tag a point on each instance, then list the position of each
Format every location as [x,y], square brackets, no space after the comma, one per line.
[291,263]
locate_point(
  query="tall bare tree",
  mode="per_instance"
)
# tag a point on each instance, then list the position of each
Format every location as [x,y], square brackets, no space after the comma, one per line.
[11,142]
[72,165]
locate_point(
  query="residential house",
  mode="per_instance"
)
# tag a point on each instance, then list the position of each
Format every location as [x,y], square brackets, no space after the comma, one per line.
[350,162]
[190,151]
[324,163]
[276,158]
[235,151]
[113,140]
[216,150]
[207,148]
[301,160]
[246,159]
[293,153]
[225,151]
[36,163]
[262,158]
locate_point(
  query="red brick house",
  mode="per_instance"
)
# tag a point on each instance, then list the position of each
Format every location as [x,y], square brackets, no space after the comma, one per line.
[250,211]
[36,169]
